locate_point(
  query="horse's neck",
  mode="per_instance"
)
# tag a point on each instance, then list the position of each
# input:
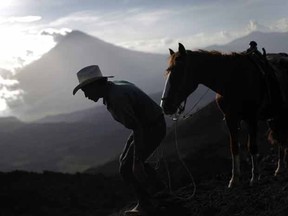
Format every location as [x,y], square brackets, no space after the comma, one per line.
[213,73]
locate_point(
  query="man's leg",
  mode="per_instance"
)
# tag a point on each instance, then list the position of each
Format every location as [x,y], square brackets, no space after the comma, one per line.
[127,146]
[126,164]
[153,138]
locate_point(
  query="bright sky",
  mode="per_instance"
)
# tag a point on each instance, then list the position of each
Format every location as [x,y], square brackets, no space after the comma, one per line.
[29,28]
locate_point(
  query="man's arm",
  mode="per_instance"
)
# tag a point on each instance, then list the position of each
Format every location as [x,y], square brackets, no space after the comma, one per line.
[125,114]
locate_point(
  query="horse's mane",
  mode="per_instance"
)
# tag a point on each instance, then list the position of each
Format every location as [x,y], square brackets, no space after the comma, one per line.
[213,52]
[202,53]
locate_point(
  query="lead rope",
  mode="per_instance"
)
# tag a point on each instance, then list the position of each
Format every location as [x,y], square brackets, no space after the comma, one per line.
[183,164]
[159,152]
[189,114]
[175,118]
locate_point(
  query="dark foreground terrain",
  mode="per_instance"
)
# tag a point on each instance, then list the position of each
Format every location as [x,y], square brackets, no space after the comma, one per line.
[202,143]
[49,193]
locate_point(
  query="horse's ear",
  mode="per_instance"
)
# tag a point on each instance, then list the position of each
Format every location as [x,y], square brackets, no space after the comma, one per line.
[181,49]
[171,51]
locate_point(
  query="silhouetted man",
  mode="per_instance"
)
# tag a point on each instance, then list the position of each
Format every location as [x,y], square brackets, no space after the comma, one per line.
[137,111]
[253,48]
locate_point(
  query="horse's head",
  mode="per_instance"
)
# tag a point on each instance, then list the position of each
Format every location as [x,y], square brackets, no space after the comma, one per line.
[177,88]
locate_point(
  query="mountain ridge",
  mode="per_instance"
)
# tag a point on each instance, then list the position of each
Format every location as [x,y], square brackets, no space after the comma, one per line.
[273,42]
[49,81]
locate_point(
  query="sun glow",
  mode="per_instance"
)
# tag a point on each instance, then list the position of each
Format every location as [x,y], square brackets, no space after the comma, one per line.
[20,45]
[6,4]
[19,48]
[3,106]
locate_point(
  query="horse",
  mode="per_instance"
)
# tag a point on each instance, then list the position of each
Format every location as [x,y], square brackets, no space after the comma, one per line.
[241,95]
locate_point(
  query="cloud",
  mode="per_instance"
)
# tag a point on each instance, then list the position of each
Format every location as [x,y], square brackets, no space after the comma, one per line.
[132,23]
[152,17]
[20,19]
[255,26]
[82,17]
[200,40]
[152,30]
[10,93]
[156,45]
[281,25]
[57,34]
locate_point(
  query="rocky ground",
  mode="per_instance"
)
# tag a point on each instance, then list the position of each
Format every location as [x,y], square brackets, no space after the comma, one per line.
[49,193]
[269,196]
[53,194]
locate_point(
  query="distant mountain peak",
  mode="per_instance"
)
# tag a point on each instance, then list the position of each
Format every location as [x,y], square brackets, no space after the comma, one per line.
[77,37]
[77,33]
[271,41]
[9,119]
[54,74]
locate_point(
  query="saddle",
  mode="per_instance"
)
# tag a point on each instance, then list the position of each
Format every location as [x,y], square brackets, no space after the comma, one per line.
[274,68]
[279,64]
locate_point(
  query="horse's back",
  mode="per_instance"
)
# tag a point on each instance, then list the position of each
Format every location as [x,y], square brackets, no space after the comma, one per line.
[279,63]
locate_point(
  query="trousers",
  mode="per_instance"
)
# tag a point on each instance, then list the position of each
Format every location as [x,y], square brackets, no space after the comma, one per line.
[153,135]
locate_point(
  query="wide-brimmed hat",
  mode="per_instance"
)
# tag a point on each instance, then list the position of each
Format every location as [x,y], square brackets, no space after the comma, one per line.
[253,43]
[88,75]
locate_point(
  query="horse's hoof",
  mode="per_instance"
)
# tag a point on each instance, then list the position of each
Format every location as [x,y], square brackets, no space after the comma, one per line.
[254,180]
[233,182]
[230,185]
[279,172]
[281,168]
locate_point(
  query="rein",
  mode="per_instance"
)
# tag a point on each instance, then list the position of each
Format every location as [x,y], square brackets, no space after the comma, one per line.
[189,114]
[181,108]
[176,118]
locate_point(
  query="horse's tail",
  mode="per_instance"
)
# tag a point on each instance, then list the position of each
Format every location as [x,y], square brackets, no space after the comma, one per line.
[278,130]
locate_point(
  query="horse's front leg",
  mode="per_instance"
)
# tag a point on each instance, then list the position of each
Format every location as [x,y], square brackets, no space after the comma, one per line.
[285,158]
[282,160]
[232,124]
[253,149]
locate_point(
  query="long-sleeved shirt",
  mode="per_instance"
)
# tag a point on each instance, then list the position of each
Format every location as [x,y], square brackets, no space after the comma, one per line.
[131,106]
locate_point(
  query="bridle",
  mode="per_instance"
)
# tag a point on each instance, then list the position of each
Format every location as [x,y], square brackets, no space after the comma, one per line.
[182,105]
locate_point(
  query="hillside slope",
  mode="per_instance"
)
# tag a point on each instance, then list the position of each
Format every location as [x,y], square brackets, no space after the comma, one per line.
[62,146]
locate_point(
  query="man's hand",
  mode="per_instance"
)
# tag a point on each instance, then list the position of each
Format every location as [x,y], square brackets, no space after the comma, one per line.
[139,170]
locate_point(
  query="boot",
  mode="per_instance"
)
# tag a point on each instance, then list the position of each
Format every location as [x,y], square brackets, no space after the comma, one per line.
[141,209]
[136,211]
